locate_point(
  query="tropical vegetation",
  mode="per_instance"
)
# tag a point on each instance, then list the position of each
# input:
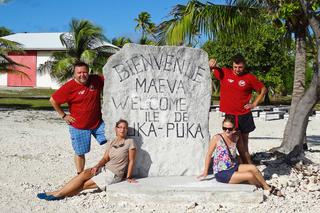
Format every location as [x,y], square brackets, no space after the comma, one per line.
[84,42]
[266,56]
[280,40]
[5,31]
[238,17]
[120,41]
[146,27]
[7,65]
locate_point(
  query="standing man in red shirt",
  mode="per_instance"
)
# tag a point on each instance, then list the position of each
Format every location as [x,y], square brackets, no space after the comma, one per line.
[82,94]
[236,87]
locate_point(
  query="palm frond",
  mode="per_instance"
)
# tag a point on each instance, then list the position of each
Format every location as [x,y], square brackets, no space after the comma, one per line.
[208,19]
[106,49]
[62,69]
[7,46]
[84,42]
[7,65]
[4,68]
[98,63]
[6,60]
[120,41]
[145,25]
[88,56]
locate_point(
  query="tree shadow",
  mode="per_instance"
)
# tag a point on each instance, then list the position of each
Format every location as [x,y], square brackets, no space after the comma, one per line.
[277,163]
[143,159]
[28,98]
[313,140]
[4,106]
[265,138]
[314,151]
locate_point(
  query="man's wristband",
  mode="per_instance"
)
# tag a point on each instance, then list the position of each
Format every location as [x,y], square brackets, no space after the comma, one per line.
[64,115]
[129,178]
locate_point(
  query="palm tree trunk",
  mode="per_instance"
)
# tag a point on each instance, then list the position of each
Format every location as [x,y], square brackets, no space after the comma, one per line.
[300,66]
[295,130]
[298,122]
[266,100]
[292,143]
[216,88]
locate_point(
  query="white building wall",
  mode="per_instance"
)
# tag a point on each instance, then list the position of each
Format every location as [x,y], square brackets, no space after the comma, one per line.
[3,79]
[44,79]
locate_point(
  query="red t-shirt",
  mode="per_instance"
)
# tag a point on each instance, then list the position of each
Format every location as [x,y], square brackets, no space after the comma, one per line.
[83,101]
[235,91]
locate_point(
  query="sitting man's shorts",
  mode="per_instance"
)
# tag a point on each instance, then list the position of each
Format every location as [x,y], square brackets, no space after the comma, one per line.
[81,138]
[104,178]
[225,176]
[244,123]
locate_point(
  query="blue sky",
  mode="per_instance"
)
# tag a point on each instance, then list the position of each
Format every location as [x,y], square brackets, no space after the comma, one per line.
[116,17]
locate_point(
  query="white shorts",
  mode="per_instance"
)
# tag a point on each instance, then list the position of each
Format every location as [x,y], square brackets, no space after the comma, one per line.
[105,177]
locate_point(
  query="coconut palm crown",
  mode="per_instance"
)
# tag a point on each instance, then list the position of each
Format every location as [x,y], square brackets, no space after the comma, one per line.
[196,18]
[84,43]
[144,24]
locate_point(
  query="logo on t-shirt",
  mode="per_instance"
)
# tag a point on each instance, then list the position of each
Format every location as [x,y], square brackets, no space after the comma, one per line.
[81,92]
[242,83]
[230,80]
[91,87]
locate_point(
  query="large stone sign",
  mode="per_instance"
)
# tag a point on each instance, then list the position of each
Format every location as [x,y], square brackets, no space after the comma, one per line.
[164,93]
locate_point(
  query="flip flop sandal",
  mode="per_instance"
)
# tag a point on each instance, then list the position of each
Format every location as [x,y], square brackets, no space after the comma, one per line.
[276,192]
[52,198]
[42,195]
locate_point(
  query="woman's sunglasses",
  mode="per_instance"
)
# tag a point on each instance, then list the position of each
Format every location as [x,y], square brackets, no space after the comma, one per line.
[226,128]
[116,147]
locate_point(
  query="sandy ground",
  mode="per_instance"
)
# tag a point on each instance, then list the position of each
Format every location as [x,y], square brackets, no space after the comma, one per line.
[36,155]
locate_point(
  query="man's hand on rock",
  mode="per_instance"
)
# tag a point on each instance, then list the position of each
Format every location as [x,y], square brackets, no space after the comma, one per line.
[212,63]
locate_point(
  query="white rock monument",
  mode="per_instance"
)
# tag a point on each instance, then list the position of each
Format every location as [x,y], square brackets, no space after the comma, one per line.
[164,93]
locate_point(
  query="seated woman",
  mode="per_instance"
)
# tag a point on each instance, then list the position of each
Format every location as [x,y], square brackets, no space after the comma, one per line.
[118,158]
[225,164]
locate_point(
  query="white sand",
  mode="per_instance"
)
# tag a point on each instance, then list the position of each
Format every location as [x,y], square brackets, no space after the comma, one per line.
[36,155]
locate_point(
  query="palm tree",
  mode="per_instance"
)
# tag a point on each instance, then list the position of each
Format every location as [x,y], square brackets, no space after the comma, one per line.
[209,19]
[5,31]
[120,41]
[146,41]
[311,96]
[84,43]
[196,18]
[296,23]
[144,24]
[7,65]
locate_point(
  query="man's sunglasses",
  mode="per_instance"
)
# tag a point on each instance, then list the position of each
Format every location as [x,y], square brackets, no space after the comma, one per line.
[226,128]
